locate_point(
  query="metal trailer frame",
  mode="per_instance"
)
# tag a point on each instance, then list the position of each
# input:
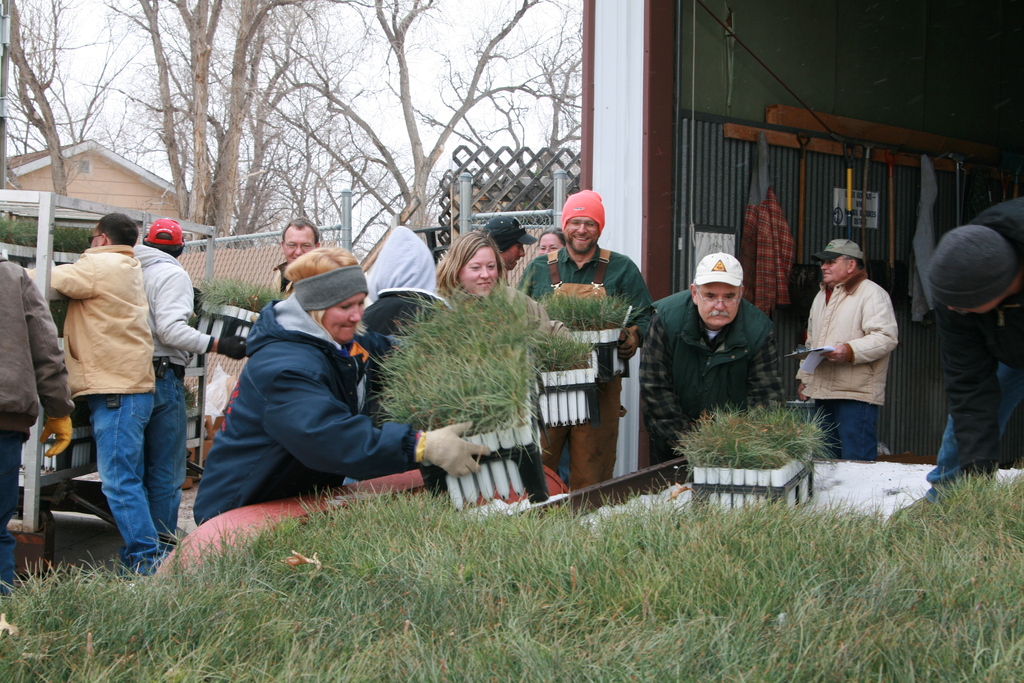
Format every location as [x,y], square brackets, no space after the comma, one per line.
[33,477]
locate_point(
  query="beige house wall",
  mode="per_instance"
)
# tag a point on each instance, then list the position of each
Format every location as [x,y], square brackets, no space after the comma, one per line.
[104,182]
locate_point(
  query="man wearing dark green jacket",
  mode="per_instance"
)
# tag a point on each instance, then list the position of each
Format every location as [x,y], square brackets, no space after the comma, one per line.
[583,269]
[705,348]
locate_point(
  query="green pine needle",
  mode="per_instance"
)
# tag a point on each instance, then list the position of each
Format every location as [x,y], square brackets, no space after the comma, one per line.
[756,439]
[238,293]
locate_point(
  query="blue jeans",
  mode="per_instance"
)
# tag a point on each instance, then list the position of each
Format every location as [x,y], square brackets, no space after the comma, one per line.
[10,462]
[165,453]
[849,428]
[1011,387]
[121,461]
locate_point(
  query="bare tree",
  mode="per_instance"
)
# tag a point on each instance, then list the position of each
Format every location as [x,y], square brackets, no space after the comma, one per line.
[206,172]
[59,107]
[465,85]
[549,101]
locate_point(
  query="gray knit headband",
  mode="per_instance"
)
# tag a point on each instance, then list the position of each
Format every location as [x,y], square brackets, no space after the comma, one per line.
[329,289]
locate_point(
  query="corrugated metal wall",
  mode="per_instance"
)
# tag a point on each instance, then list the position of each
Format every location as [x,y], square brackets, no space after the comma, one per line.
[915,411]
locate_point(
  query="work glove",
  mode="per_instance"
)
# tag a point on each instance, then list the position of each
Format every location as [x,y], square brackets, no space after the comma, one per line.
[444,448]
[59,427]
[232,347]
[629,342]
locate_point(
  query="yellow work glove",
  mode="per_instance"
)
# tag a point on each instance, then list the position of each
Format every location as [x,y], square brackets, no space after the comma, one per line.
[60,427]
[629,342]
[444,448]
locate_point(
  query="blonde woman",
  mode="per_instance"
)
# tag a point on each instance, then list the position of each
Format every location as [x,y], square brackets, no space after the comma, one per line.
[297,421]
[473,266]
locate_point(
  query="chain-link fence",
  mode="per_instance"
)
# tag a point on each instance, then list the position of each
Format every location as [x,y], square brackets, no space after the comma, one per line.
[249,258]
[535,223]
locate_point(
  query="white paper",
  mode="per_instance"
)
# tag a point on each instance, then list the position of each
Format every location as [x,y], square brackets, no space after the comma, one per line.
[811,362]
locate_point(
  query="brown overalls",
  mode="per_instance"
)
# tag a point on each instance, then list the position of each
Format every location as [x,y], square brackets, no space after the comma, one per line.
[591,450]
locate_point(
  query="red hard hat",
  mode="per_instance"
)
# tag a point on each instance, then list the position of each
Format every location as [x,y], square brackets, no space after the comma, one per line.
[166,232]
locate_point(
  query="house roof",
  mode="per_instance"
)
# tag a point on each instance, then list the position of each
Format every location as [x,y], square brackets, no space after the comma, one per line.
[26,163]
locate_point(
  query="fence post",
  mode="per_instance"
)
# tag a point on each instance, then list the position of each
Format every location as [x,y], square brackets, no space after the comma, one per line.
[346,219]
[32,453]
[465,203]
[558,199]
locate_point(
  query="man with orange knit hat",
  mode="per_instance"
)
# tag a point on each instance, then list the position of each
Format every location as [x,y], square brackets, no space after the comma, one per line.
[580,268]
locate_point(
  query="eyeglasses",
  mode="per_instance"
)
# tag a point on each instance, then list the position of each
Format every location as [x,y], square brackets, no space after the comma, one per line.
[728,299]
[305,246]
[93,238]
[581,224]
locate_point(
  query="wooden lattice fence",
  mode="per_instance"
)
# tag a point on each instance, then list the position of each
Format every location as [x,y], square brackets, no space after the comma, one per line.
[506,179]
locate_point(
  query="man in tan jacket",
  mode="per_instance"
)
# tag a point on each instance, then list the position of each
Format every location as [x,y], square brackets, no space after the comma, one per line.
[854,316]
[109,355]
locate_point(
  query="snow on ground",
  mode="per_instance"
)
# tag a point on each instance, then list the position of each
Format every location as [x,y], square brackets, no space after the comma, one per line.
[865,487]
[880,487]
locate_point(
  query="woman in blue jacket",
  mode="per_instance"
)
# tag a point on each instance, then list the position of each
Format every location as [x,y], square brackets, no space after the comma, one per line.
[297,420]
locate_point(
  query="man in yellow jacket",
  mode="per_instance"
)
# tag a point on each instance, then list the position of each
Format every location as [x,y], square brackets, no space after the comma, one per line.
[853,316]
[109,355]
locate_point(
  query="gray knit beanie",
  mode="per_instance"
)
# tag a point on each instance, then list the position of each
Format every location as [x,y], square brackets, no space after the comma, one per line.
[971,266]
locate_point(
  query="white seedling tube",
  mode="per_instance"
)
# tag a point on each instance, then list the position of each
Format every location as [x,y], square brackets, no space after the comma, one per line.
[750,479]
[491,441]
[514,478]
[455,491]
[469,490]
[485,481]
[526,435]
[501,482]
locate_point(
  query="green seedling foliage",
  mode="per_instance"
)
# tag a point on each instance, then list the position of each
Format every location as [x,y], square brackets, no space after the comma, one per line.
[587,313]
[81,416]
[238,293]
[759,438]
[467,363]
[554,353]
[411,590]
[25,233]
[59,313]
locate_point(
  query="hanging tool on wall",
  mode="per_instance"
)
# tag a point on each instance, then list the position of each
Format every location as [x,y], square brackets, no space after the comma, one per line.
[864,202]
[804,140]
[848,156]
[959,159]
[890,161]
[803,279]
[1013,164]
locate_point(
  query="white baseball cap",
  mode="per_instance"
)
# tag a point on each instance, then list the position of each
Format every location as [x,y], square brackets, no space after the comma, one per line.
[719,267]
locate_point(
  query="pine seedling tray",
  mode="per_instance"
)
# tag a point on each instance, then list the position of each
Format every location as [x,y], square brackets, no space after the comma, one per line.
[606,343]
[227,321]
[514,470]
[792,484]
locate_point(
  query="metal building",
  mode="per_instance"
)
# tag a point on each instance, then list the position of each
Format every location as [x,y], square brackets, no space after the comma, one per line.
[668,83]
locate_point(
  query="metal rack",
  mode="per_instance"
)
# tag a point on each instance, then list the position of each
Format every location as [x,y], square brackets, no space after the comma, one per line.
[57,481]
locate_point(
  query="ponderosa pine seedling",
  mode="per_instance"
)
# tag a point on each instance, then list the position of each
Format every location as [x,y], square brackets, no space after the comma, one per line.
[761,438]
[237,293]
[587,313]
[466,363]
[26,234]
[555,353]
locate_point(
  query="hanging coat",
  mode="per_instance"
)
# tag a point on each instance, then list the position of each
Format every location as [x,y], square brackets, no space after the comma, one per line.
[767,248]
[924,242]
